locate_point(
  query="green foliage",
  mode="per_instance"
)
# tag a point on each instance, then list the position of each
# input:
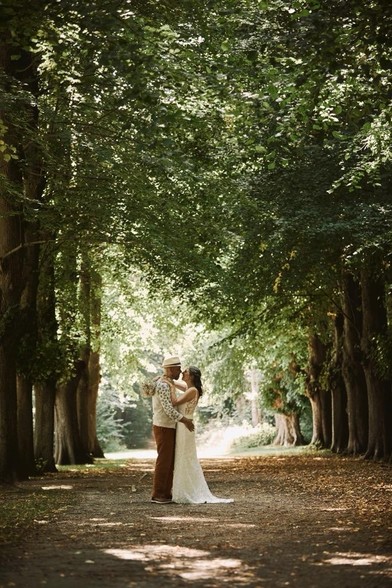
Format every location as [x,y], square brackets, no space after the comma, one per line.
[137,416]
[139,329]
[111,429]
[232,155]
[381,353]
[263,434]
[121,421]
[306,422]
[283,390]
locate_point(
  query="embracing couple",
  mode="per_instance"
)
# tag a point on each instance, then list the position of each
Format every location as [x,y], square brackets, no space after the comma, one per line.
[178,476]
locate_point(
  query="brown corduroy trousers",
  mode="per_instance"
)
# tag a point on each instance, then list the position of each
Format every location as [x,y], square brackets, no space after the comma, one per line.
[165,439]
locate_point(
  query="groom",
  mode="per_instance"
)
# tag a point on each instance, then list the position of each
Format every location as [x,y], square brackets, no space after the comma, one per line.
[165,418]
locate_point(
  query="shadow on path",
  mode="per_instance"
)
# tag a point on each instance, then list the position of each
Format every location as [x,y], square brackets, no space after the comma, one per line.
[301,521]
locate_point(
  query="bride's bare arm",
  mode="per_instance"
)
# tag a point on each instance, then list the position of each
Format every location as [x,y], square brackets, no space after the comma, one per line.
[190,394]
[180,384]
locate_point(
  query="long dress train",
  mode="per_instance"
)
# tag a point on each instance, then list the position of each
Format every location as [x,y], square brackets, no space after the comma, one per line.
[189,484]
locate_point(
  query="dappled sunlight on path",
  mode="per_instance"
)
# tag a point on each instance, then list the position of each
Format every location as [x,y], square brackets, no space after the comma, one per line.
[219,451]
[300,521]
[189,564]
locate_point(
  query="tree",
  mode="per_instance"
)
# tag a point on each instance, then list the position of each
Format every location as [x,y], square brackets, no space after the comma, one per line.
[21,168]
[93,141]
[317,174]
[335,382]
[238,153]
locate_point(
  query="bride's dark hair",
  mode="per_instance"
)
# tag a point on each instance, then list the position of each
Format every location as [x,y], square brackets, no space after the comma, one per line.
[196,377]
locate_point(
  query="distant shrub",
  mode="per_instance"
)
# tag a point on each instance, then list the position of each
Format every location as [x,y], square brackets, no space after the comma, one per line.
[223,436]
[263,434]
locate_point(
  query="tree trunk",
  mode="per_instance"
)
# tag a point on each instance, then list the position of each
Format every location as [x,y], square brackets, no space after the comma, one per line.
[282,437]
[375,329]
[338,391]
[21,167]
[82,403]
[317,425]
[28,346]
[9,453]
[71,309]
[288,432]
[45,385]
[320,399]
[87,395]
[353,375]
[295,429]
[94,380]
[326,416]
[25,427]
[45,394]
[69,448]
[11,286]
[90,304]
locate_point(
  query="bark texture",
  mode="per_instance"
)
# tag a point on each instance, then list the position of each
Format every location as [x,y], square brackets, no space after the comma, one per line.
[353,375]
[338,390]
[69,449]
[45,386]
[375,328]
[320,399]
[288,431]
[11,284]
[45,394]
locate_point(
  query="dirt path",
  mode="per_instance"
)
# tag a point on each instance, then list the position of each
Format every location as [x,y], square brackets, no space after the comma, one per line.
[296,521]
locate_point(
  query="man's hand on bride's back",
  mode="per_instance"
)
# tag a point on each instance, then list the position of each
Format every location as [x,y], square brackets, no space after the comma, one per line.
[188,423]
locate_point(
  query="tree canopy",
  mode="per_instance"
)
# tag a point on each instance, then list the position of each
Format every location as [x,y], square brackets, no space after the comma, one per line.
[235,155]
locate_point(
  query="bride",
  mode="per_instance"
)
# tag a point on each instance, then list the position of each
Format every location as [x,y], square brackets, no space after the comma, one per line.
[189,484]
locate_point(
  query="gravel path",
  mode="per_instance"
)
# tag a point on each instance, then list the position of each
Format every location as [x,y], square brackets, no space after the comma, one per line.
[298,521]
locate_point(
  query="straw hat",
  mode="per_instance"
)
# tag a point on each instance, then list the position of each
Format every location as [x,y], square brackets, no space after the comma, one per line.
[171,362]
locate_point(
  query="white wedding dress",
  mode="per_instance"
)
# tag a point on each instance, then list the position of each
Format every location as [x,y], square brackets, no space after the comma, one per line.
[189,484]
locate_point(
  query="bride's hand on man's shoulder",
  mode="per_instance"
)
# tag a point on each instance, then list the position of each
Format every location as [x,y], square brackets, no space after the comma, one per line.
[180,384]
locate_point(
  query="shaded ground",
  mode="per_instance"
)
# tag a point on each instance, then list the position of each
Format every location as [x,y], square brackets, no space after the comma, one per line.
[301,521]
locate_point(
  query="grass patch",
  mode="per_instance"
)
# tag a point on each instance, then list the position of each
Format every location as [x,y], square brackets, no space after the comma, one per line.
[256,438]
[100,466]
[276,450]
[22,510]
